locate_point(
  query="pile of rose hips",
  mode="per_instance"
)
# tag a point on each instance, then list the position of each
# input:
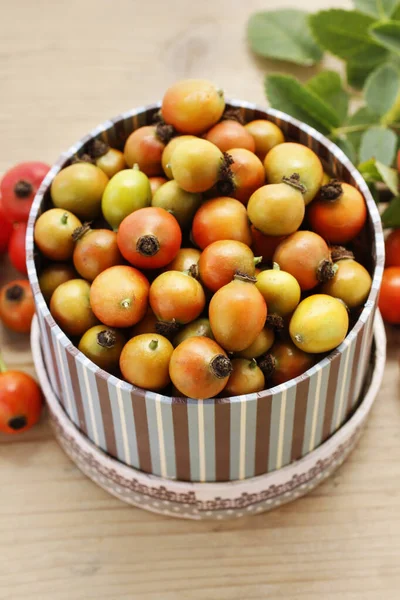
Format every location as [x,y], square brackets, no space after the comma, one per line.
[209,254]
[20,396]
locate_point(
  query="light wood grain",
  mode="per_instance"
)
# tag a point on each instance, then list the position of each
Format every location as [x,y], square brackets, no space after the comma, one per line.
[64,67]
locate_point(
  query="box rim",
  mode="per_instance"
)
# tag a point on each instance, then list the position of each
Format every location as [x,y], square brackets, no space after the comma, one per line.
[313,133]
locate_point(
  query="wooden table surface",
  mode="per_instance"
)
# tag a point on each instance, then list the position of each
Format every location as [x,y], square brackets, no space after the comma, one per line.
[64,67]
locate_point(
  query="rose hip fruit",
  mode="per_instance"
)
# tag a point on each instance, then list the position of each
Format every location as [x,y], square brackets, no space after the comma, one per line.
[127,191]
[246,174]
[53,276]
[280,291]
[221,219]
[237,314]
[145,361]
[288,158]
[53,233]
[261,345]
[319,324]
[149,238]
[246,378]
[338,213]
[276,209]
[392,249]
[169,150]
[95,251]
[103,346]
[306,256]
[79,189]
[178,202]
[197,328]
[111,160]
[230,134]
[220,261]
[192,105]
[185,260]
[18,188]
[176,297]
[71,308]
[285,362]
[266,135]
[196,165]
[144,148]
[351,283]
[199,368]
[119,296]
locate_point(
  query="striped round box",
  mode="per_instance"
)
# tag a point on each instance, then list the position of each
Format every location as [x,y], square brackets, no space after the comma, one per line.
[218,439]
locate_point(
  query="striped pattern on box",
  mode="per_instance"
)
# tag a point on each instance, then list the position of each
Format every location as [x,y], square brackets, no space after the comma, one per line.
[219,439]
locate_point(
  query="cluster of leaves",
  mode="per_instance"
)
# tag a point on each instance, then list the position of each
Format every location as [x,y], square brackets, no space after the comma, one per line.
[368,40]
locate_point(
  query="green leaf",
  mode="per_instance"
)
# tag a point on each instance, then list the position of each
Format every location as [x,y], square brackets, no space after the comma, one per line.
[387,35]
[283,35]
[361,120]
[285,93]
[357,74]
[391,216]
[379,143]
[389,176]
[376,8]
[328,86]
[375,171]
[396,13]
[347,147]
[345,33]
[381,89]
